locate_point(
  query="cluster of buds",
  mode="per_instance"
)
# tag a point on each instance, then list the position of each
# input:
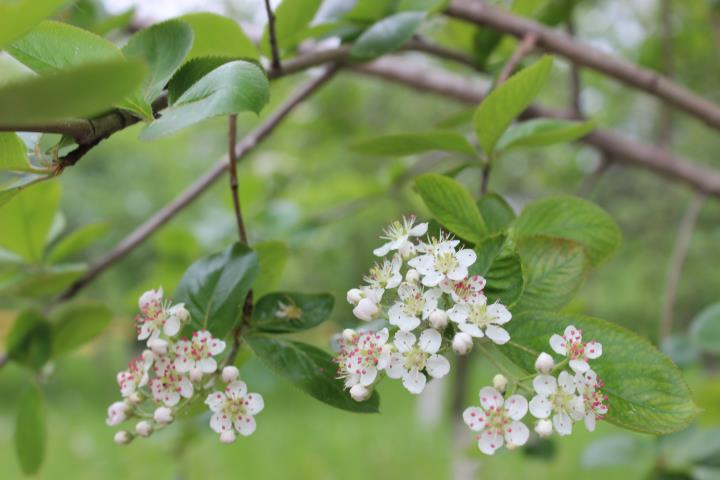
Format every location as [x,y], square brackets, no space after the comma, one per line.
[172,371]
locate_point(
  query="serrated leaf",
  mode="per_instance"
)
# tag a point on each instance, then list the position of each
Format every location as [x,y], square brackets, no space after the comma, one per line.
[496,212]
[218,35]
[452,206]
[386,35]
[192,71]
[17,18]
[76,324]
[705,329]
[287,312]
[413,143]
[309,369]
[540,132]
[570,218]
[231,88]
[507,101]
[272,258]
[77,240]
[502,269]
[214,288]
[13,153]
[30,430]
[29,341]
[646,391]
[291,18]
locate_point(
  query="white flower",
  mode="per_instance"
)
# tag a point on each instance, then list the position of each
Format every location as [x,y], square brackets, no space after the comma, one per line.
[116,413]
[198,352]
[412,306]
[122,437]
[442,261]
[169,385]
[234,408]
[480,319]
[500,382]
[462,343]
[498,420]
[230,374]
[544,363]
[411,358]
[589,385]
[572,346]
[157,317]
[361,356]
[354,295]
[467,290]
[544,428]
[366,310]
[163,415]
[360,393]
[438,319]
[397,235]
[151,299]
[158,345]
[412,276]
[143,428]
[384,276]
[568,406]
[137,374]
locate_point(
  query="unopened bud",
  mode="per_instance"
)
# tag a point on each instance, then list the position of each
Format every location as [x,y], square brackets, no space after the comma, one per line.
[195,374]
[365,310]
[143,428]
[354,296]
[462,343]
[116,413]
[544,363]
[500,382]
[123,437]
[228,436]
[180,312]
[438,319]
[230,374]
[158,345]
[360,393]
[412,276]
[349,334]
[163,415]
[544,428]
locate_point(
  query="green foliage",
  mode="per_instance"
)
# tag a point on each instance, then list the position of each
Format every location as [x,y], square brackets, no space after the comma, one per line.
[507,101]
[430,6]
[485,41]
[13,154]
[570,218]
[412,143]
[192,71]
[214,288]
[705,329]
[218,36]
[502,269]
[452,206]
[36,281]
[17,18]
[540,132]
[77,241]
[646,391]
[76,324]
[496,212]
[291,18]
[30,430]
[29,341]
[287,312]
[386,35]
[231,88]
[272,258]
[309,369]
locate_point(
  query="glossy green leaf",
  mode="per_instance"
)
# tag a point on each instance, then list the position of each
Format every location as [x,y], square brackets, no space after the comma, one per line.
[413,143]
[77,240]
[452,206]
[231,88]
[496,212]
[646,391]
[286,312]
[571,218]
[386,35]
[539,132]
[18,17]
[13,153]
[502,269]
[272,257]
[291,18]
[554,270]
[44,280]
[214,288]
[75,324]
[218,36]
[192,71]
[309,369]
[29,339]
[705,329]
[507,101]
[30,430]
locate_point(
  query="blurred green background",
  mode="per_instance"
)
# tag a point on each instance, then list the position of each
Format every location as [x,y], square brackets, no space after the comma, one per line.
[305,187]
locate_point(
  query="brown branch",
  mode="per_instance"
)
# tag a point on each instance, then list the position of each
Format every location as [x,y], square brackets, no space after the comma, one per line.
[232,169]
[575,82]
[480,13]
[273,38]
[524,48]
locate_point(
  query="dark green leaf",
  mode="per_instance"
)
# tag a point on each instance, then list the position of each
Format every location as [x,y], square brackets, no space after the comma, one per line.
[291,312]
[77,240]
[30,430]
[543,131]
[705,329]
[272,257]
[412,143]
[29,340]
[17,18]
[386,35]
[496,212]
[218,36]
[76,324]
[502,269]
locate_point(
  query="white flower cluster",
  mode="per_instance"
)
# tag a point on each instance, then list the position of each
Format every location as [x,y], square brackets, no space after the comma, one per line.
[418,287]
[171,372]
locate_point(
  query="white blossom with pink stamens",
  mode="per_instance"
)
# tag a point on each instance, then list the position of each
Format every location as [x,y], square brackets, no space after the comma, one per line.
[362,355]
[589,386]
[498,420]
[197,353]
[137,374]
[234,410]
[571,345]
[169,386]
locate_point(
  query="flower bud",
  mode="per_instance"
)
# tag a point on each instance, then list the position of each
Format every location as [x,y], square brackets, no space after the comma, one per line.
[349,334]
[544,363]
[116,413]
[163,415]
[151,297]
[158,345]
[544,428]
[123,437]
[438,319]
[412,276]
[365,310]
[500,382]
[180,312]
[354,296]
[195,374]
[228,436]
[143,428]
[462,343]
[360,393]
[230,374]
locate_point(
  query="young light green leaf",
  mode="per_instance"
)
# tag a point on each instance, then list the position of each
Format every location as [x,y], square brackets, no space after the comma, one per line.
[272,258]
[309,369]
[402,144]
[76,241]
[234,87]
[30,430]
[29,339]
[214,288]
[17,18]
[43,281]
[192,71]
[75,324]
[502,269]
[291,18]
[218,36]
[496,212]
[705,329]
[386,35]
[13,153]
[291,312]
[539,132]
[504,103]
[571,218]
[554,270]
[452,206]
[646,391]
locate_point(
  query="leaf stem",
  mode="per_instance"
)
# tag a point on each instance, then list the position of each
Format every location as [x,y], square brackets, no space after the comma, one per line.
[523,348]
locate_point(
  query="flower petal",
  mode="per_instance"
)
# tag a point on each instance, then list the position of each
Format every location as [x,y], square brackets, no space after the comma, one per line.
[474,418]
[558,344]
[458,313]
[497,334]
[423,263]
[545,385]
[562,424]
[490,398]
[437,366]
[590,422]
[540,406]
[566,382]
[395,367]
[382,250]
[430,340]
[404,341]
[466,257]
[220,422]
[499,313]
[414,381]
[572,334]
[593,349]
[490,440]
[254,403]
[471,329]
[236,390]
[207,365]
[171,327]
[516,407]
[580,366]
[215,401]
[244,424]
[368,376]
[432,279]
[516,434]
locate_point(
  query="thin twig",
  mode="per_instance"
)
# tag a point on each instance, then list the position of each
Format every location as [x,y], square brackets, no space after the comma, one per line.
[525,47]
[232,170]
[575,82]
[273,38]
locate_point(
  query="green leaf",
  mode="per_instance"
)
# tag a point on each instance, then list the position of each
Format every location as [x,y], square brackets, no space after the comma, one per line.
[646,391]
[272,258]
[30,430]
[231,88]
[496,212]
[286,312]
[29,217]
[163,48]
[452,206]
[386,35]
[77,240]
[291,18]
[705,329]
[29,340]
[44,280]
[507,101]
[543,131]
[571,218]
[554,270]
[309,369]
[502,269]
[76,324]
[217,35]
[17,18]
[13,153]
[214,288]
[429,6]
[485,41]
[412,143]
[190,73]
